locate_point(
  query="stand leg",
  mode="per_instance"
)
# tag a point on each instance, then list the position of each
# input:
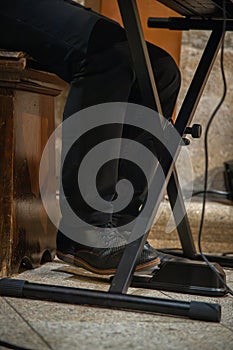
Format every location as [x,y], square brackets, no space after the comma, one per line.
[180,216]
[124,274]
[140,56]
[194,310]
[199,80]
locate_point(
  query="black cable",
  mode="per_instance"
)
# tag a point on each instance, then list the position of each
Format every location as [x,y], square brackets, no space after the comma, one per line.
[197,193]
[217,192]
[212,267]
[11,346]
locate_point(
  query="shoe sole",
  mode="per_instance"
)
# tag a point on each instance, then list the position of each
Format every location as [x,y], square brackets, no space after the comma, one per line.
[72,260]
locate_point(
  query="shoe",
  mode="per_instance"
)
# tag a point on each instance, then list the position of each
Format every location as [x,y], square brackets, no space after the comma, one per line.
[103,261]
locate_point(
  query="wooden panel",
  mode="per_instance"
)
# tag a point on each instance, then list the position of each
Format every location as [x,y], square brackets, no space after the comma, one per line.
[26,122]
[168,40]
[33,234]
[6,180]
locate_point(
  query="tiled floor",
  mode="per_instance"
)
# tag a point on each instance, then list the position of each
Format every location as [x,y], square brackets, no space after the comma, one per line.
[38,325]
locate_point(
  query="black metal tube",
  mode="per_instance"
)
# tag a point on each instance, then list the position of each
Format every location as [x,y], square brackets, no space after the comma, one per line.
[124,274]
[176,23]
[199,80]
[180,216]
[150,97]
[140,56]
[24,289]
[105,299]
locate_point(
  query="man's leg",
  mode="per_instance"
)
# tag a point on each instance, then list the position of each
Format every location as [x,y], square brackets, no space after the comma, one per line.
[106,76]
[117,77]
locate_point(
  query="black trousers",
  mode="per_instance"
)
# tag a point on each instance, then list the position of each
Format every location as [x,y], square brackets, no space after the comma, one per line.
[91,53]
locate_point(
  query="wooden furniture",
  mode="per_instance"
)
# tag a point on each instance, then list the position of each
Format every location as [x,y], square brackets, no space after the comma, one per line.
[27,105]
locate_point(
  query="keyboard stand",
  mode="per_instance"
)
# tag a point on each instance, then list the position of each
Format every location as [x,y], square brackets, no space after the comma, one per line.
[189,106]
[194,277]
[117,296]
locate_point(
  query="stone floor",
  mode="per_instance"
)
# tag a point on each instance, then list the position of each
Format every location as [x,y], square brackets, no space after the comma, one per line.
[36,325]
[217,233]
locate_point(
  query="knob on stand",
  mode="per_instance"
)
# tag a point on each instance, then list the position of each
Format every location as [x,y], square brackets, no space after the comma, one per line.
[195,131]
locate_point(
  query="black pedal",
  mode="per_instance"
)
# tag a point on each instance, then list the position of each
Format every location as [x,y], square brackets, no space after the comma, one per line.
[184,276]
[229,178]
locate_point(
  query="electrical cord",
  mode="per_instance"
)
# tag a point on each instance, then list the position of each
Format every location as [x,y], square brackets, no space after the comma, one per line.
[11,346]
[197,193]
[212,267]
[216,195]
[215,192]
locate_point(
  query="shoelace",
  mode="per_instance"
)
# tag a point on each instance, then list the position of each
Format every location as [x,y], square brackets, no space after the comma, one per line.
[112,237]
